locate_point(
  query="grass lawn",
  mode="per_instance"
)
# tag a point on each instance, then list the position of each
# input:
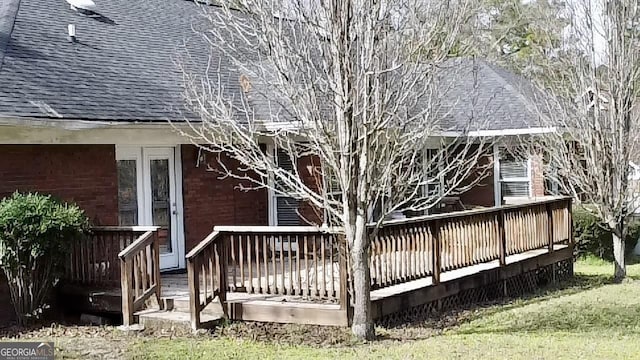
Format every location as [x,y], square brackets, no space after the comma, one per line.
[590,319]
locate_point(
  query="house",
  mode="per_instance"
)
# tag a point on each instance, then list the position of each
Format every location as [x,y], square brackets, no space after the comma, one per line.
[85,103]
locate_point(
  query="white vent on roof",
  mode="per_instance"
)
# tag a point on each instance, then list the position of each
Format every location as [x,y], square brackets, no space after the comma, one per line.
[83,5]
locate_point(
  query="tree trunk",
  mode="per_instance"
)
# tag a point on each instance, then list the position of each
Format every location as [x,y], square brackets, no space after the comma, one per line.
[362,325]
[618,255]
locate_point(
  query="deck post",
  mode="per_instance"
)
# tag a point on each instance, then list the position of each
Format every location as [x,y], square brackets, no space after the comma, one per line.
[127,296]
[570,220]
[437,260]
[503,238]
[194,293]
[222,276]
[156,269]
[550,226]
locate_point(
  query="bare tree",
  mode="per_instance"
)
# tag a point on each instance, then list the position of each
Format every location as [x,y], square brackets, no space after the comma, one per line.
[357,86]
[596,114]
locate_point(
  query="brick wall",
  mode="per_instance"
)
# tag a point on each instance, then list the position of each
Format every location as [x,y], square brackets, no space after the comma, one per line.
[85,174]
[482,194]
[310,171]
[537,176]
[209,200]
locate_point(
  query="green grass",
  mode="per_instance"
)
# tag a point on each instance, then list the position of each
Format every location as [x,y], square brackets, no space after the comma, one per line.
[590,319]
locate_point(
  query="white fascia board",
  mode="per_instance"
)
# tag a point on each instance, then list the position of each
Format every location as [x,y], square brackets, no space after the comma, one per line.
[503,132]
[79,124]
[52,131]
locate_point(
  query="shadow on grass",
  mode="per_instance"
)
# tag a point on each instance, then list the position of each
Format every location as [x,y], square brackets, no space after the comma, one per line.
[559,307]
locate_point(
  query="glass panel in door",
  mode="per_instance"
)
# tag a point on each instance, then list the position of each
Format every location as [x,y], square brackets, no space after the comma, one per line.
[127,193]
[161,201]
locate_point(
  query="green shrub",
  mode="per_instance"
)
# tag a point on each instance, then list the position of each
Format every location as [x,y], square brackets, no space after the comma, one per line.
[594,238]
[35,234]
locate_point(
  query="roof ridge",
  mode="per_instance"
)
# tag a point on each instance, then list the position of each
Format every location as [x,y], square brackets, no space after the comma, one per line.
[8,14]
[505,83]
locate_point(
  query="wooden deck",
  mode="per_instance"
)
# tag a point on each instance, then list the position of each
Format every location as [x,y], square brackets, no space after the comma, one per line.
[415,263]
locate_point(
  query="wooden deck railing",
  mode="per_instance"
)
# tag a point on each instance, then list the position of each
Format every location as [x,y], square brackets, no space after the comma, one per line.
[410,249]
[311,262]
[302,261]
[118,256]
[140,273]
[94,260]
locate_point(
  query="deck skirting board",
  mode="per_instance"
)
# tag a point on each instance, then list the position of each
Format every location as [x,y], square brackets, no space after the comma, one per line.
[292,313]
[512,279]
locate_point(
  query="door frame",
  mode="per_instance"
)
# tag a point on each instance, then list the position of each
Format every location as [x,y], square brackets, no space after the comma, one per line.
[138,153]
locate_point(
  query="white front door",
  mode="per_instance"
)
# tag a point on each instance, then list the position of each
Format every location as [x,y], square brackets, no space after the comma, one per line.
[147,195]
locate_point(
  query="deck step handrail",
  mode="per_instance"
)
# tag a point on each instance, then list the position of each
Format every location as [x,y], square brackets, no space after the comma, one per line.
[205,267]
[140,273]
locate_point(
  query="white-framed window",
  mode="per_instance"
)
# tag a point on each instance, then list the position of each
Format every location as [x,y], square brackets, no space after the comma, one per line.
[431,185]
[514,176]
[435,178]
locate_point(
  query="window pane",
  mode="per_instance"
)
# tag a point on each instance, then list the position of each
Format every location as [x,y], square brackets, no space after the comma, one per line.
[160,201]
[511,167]
[512,189]
[127,193]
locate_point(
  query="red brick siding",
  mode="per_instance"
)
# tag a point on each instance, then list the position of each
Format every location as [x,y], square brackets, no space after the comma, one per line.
[209,200]
[84,174]
[537,177]
[310,171]
[482,194]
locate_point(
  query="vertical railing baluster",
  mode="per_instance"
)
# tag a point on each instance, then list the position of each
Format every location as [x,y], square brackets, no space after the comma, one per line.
[256,239]
[273,263]
[241,261]
[281,275]
[250,263]
[315,268]
[435,232]
[265,259]
[233,263]
[290,260]
[324,266]
[306,265]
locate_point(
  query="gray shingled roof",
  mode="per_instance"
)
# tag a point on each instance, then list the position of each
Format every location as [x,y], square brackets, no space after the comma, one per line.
[480,96]
[123,67]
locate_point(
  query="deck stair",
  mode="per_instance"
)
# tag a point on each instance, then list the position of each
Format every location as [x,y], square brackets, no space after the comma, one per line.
[176,316]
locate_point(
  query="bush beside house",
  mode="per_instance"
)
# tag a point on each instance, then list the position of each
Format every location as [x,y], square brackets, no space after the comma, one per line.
[593,237]
[34,244]
[7,314]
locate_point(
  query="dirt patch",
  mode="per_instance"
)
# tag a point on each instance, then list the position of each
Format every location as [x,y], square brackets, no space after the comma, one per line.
[286,334]
[75,342]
